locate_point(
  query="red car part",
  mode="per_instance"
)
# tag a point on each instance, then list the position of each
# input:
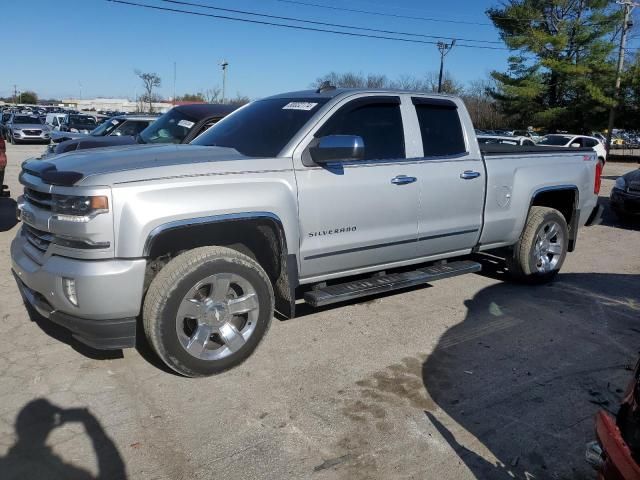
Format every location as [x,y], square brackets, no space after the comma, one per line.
[617,463]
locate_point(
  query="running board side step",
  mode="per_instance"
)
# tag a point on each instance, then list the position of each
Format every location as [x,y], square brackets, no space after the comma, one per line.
[386,283]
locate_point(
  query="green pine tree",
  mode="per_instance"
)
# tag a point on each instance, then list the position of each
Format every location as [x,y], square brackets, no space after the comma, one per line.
[561,74]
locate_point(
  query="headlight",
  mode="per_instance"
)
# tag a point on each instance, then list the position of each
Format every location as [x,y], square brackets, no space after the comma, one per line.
[620,183]
[74,130]
[78,209]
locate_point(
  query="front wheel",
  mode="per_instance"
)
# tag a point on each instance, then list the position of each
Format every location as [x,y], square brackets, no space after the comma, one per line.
[207,310]
[542,248]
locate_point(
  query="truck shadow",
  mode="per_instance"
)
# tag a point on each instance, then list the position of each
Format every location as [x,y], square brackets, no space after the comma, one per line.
[528,368]
[610,219]
[8,218]
[32,456]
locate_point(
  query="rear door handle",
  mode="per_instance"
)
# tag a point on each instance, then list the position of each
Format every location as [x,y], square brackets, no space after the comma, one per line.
[469,174]
[403,180]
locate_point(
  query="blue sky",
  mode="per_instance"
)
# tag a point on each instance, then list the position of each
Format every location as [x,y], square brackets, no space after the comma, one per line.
[94,45]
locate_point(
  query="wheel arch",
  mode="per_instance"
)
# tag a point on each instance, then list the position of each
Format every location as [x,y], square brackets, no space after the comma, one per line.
[259,234]
[565,199]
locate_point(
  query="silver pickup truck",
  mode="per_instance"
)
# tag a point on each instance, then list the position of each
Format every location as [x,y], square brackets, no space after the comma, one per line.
[317,196]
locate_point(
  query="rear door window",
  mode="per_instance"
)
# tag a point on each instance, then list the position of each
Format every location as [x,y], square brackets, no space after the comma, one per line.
[440,127]
[377,120]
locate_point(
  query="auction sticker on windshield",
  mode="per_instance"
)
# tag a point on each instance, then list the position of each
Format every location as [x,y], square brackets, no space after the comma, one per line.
[185,124]
[299,106]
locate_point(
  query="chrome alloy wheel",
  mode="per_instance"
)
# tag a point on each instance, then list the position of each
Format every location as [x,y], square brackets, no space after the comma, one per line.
[217,316]
[548,247]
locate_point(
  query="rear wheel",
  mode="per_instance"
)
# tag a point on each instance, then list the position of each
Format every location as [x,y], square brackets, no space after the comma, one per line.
[542,248]
[207,310]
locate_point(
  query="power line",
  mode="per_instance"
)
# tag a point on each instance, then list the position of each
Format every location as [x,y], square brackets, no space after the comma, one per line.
[326,24]
[295,27]
[424,19]
[371,12]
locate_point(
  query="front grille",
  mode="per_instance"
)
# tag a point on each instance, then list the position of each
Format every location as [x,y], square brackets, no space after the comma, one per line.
[32,132]
[634,187]
[38,199]
[39,239]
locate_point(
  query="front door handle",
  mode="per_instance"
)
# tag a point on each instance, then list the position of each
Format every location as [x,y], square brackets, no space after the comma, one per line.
[403,180]
[469,174]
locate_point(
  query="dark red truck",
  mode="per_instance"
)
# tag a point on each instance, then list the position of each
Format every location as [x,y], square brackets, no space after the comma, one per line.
[3,165]
[616,453]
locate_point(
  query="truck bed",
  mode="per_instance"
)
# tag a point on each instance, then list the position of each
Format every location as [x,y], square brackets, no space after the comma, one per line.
[503,149]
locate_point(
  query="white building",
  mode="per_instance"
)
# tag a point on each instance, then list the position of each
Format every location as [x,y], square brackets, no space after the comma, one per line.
[117,104]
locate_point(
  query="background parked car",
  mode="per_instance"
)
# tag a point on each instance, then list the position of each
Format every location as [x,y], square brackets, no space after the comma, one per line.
[120,126]
[574,141]
[625,196]
[27,128]
[506,140]
[54,120]
[76,123]
[179,125]
[4,119]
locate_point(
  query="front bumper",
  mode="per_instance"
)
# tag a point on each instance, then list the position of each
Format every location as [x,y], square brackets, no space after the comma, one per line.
[43,137]
[625,202]
[109,294]
[616,461]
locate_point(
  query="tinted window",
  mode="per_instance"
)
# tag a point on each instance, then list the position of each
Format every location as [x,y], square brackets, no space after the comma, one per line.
[555,140]
[130,128]
[262,128]
[441,130]
[379,125]
[25,119]
[528,143]
[588,142]
[172,127]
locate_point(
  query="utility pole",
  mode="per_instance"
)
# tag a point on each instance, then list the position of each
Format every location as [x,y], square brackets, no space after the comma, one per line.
[15,94]
[174,83]
[444,49]
[224,64]
[629,5]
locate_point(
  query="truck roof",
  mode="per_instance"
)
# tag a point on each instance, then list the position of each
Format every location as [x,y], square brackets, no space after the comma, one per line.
[334,92]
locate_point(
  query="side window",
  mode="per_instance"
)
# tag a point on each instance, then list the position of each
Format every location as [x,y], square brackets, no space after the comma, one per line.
[528,143]
[588,142]
[55,121]
[440,127]
[130,129]
[377,120]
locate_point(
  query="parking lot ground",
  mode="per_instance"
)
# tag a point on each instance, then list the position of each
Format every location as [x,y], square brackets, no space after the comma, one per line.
[472,377]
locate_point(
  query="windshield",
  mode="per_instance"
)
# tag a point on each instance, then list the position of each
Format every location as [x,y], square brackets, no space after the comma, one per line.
[172,127]
[26,119]
[105,128]
[262,128]
[555,140]
[81,120]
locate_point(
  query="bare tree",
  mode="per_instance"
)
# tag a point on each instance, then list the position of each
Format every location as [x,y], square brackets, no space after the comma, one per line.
[149,81]
[212,95]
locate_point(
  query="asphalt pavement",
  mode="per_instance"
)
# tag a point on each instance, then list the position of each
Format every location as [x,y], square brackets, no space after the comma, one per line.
[473,377]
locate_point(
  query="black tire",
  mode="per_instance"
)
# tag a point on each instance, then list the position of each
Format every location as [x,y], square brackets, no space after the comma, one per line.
[523,261]
[12,140]
[168,289]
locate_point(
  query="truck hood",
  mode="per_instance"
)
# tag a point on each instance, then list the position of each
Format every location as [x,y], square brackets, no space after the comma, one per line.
[104,166]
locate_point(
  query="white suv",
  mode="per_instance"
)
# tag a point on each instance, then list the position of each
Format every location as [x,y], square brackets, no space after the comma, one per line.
[574,141]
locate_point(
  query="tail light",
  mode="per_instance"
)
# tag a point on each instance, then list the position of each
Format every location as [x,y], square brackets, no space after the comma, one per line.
[598,180]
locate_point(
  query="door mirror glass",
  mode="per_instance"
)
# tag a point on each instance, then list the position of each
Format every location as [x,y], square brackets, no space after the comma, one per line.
[337,147]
